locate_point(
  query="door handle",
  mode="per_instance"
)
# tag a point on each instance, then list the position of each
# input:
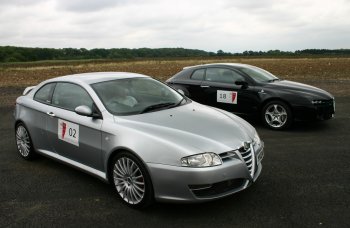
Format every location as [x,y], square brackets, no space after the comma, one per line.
[204,86]
[51,114]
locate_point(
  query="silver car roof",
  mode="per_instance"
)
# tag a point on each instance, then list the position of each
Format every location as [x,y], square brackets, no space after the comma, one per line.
[95,77]
[220,64]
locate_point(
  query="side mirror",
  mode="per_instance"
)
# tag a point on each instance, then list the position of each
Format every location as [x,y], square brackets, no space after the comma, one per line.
[242,83]
[83,110]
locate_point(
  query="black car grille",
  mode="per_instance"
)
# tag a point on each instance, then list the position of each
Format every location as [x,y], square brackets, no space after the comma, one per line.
[324,108]
[209,190]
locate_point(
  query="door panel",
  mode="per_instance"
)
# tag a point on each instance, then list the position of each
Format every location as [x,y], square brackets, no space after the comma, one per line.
[86,148]
[213,90]
[220,90]
[71,135]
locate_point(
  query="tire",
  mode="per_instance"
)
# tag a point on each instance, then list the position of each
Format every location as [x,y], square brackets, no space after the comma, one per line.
[277,115]
[24,142]
[131,180]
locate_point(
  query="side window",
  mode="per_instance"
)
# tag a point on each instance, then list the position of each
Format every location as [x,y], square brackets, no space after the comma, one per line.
[198,74]
[44,93]
[222,75]
[69,96]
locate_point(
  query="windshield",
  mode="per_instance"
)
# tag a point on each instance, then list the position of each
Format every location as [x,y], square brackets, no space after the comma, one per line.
[136,95]
[259,75]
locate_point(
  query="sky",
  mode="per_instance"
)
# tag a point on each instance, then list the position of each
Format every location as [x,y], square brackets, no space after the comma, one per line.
[211,25]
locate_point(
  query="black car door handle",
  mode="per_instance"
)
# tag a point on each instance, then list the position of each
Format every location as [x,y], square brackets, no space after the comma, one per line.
[51,114]
[205,86]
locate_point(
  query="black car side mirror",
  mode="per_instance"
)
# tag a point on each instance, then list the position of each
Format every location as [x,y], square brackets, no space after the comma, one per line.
[242,83]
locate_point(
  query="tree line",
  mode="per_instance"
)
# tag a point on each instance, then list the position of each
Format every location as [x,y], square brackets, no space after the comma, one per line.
[25,54]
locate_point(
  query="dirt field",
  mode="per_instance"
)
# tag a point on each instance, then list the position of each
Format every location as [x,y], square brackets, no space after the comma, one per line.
[331,74]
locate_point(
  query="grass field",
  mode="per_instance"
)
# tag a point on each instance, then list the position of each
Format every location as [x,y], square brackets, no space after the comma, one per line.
[331,74]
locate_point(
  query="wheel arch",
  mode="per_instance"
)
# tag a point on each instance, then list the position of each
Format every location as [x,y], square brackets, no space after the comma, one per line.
[19,121]
[275,99]
[114,152]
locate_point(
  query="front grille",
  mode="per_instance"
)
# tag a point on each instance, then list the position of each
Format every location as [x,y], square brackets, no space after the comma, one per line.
[248,158]
[227,156]
[216,188]
[247,155]
[324,108]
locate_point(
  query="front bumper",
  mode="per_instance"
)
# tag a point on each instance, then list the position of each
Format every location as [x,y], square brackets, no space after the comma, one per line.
[184,184]
[322,111]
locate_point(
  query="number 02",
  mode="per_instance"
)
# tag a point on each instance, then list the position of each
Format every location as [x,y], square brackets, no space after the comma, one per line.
[72,132]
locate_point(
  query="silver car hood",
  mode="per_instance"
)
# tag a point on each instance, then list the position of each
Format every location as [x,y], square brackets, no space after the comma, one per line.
[194,127]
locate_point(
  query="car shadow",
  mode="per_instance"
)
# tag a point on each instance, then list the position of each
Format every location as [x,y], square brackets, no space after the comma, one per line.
[236,202]
[297,126]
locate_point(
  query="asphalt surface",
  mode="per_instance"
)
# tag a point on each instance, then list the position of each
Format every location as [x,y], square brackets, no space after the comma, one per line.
[305,182]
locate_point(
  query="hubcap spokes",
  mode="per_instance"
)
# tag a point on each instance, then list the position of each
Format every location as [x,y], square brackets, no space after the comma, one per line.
[22,140]
[276,115]
[128,180]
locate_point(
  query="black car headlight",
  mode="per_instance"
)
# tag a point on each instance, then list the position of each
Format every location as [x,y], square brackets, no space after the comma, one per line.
[315,102]
[201,160]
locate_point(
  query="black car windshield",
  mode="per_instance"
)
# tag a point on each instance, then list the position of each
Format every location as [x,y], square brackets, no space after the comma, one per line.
[259,75]
[136,95]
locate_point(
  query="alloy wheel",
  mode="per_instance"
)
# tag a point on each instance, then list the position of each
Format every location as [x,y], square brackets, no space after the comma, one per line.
[129,180]
[23,141]
[276,115]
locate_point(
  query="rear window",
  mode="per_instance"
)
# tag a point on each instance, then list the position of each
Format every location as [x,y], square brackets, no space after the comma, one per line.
[44,93]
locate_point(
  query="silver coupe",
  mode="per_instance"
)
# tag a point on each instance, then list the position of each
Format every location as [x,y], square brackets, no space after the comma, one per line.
[150,141]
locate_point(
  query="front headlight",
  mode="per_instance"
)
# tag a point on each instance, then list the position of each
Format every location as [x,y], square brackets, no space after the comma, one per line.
[201,160]
[256,141]
[316,102]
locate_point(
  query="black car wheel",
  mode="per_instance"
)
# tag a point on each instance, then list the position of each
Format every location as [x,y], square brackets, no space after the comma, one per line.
[24,142]
[131,180]
[277,115]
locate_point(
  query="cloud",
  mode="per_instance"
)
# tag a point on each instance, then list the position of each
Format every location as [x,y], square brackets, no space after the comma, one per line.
[230,25]
[89,5]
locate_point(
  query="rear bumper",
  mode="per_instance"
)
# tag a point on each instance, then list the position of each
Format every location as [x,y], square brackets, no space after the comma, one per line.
[184,184]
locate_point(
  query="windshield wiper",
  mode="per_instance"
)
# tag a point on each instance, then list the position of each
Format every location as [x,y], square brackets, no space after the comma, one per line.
[179,103]
[273,80]
[157,106]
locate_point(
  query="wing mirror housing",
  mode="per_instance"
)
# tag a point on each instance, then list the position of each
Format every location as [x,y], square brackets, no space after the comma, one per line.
[242,83]
[83,110]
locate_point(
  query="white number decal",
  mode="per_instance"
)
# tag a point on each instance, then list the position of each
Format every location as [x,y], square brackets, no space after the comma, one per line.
[68,132]
[229,97]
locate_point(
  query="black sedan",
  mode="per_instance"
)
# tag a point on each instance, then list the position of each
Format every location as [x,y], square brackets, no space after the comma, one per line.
[249,90]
